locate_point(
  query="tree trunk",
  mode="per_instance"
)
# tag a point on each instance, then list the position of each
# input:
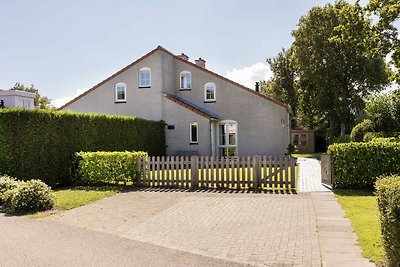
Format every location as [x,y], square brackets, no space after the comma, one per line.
[342,128]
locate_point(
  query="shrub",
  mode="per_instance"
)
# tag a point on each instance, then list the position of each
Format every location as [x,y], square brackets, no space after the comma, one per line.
[369,136]
[356,165]
[388,193]
[341,139]
[33,195]
[358,132]
[107,167]
[40,144]
[7,183]
[384,139]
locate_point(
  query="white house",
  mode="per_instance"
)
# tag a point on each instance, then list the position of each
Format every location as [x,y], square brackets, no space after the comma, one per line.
[16,98]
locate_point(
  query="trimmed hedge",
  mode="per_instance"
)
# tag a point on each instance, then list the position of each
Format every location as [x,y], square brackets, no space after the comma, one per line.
[40,144]
[107,167]
[357,165]
[388,192]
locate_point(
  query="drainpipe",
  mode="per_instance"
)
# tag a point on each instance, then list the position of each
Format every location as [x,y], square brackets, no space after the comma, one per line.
[212,137]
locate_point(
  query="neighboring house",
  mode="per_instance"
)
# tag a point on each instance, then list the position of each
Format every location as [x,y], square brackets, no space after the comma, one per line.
[16,98]
[205,114]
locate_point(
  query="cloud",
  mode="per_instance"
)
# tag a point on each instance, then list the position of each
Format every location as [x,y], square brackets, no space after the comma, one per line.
[248,76]
[58,102]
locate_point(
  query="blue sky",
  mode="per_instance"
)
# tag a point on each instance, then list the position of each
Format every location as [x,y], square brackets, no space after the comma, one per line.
[64,47]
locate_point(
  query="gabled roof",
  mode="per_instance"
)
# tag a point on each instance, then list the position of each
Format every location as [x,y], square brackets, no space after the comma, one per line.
[185,61]
[192,107]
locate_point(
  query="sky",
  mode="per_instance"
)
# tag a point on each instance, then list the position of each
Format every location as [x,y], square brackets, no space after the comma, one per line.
[64,47]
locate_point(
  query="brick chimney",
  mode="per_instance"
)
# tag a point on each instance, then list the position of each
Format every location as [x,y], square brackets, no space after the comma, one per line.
[183,56]
[200,62]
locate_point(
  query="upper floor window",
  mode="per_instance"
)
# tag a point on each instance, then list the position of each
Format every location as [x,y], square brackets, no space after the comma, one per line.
[145,77]
[120,92]
[194,133]
[186,80]
[209,92]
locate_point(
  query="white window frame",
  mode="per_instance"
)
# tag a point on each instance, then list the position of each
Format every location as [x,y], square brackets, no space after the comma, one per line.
[226,137]
[180,80]
[190,132]
[144,69]
[118,85]
[206,86]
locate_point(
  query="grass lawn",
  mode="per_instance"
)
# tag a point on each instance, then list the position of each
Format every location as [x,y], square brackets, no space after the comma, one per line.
[312,155]
[76,196]
[362,209]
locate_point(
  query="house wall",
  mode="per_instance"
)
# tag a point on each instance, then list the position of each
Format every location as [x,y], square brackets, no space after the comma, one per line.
[140,102]
[14,98]
[263,126]
[178,139]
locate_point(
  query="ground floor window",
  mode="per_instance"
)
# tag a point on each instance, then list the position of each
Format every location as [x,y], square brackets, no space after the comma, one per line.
[194,133]
[227,139]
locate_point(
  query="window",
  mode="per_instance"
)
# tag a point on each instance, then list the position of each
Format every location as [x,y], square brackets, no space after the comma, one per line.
[144,77]
[296,140]
[209,92]
[120,92]
[227,138]
[194,133]
[186,80]
[26,104]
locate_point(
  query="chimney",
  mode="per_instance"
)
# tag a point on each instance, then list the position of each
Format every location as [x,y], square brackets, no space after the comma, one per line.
[183,56]
[257,86]
[200,62]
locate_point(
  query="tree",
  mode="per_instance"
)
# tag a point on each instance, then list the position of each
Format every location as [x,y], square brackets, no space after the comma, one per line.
[41,102]
[388,11]
[282,86]
[338,61]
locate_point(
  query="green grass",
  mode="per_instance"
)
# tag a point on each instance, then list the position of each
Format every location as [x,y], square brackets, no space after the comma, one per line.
[362,209]
[312,155]
[76,196]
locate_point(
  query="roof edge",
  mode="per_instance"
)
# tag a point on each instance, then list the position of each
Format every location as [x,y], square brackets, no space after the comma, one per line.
[189,107]
[110,77]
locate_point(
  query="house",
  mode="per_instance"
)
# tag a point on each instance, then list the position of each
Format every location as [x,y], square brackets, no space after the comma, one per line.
[205,113]
[16,98]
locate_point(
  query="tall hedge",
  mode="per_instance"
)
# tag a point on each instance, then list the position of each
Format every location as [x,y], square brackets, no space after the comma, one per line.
[41,144]
[357,165]
[388,193]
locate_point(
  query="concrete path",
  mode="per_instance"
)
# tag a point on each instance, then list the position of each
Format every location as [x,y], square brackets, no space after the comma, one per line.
[310,176]
[306,229]
[29,242]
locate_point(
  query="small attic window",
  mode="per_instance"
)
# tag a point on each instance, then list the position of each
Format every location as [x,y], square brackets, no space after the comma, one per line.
[209,92]
[144,77]
[186,80]
[120,92]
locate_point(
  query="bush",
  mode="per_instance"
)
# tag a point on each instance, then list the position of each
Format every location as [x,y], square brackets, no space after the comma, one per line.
[357,165]
[358,132]
[40,144]
[384,139]
[388,193]
[341,139]
[369,136]
[107,167]
[7,183]
[31,196]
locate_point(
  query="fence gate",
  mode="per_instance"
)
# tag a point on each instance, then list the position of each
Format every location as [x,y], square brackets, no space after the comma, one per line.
[326,170]
[277,173]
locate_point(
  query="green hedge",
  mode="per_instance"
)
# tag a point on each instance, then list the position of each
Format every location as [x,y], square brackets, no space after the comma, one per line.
[107,167]
[357,165]
[41,144]
[388,192]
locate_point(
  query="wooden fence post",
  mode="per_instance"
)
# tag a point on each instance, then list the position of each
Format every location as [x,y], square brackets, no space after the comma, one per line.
[194,167]
[256,173]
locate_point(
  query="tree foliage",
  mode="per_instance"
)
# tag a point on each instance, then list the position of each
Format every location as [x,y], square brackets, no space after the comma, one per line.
[283,85]
[338,62]
[41,102]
